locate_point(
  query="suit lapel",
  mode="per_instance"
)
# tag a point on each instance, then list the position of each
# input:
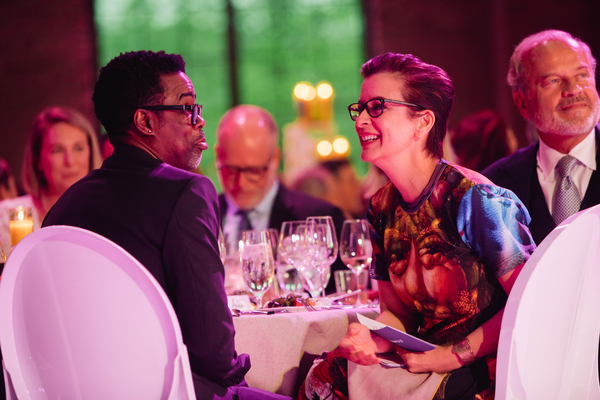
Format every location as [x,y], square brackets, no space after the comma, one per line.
[525,175]
[541,220]
[527,188]
[279,212]
[592,194]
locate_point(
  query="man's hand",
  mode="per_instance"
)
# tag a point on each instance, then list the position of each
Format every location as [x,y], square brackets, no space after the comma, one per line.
[358,345]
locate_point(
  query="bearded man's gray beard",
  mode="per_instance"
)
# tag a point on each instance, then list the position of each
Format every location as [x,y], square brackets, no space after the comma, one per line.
[549,123]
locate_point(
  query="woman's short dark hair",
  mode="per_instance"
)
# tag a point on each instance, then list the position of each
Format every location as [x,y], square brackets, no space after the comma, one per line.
[424,84]
[129,81]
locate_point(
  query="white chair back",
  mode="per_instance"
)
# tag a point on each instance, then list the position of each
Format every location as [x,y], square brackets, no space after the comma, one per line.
[551,327]
[80,318]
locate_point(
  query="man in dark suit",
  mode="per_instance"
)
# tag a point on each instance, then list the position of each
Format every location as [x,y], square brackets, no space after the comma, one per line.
[143,199]
[247,157]
[551,74]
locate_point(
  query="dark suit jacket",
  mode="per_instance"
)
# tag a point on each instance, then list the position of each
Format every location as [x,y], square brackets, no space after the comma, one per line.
[290,205]
[168,220]
[518,172]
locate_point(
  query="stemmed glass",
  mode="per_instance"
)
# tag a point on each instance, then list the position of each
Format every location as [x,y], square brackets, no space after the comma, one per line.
[258,265]
[292,249]
[274,240]
[222,246]
[355,248]
[321,231]
[291,244]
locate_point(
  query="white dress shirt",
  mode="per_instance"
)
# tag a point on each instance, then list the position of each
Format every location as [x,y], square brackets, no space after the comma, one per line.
[547,158]
[258,216]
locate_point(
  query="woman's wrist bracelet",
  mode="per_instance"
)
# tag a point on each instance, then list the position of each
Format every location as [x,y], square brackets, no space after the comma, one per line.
[464,352]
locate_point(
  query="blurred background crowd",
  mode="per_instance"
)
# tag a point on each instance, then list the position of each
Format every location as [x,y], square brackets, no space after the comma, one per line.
[298,60]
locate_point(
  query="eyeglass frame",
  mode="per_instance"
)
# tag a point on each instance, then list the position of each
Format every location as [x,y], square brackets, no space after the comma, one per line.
[363,106]
[234,170]
[184,107]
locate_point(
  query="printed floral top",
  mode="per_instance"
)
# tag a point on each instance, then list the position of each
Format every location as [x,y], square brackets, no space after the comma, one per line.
[445,252]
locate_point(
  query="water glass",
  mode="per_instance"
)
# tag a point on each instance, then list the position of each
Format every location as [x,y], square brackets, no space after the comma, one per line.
[258,266]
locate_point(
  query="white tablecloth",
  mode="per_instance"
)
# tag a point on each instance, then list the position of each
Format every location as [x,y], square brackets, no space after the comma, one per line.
[283,346]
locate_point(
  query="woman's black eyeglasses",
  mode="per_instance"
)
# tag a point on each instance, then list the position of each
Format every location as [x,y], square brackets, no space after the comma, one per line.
[374,107]
[195,109]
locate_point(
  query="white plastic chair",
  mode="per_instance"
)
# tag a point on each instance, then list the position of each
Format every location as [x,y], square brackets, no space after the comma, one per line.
[549,338]
[80,318]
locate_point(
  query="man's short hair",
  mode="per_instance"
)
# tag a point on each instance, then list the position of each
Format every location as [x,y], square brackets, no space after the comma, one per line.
[129,81]
[516,78]
[424,84]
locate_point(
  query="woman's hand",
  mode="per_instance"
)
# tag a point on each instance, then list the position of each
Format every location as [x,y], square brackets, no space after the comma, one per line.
[358,345]
[440,360]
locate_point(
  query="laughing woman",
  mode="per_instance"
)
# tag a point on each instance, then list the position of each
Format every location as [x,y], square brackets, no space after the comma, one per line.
[447,243]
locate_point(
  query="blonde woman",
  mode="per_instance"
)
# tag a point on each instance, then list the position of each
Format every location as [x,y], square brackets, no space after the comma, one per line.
[61,148]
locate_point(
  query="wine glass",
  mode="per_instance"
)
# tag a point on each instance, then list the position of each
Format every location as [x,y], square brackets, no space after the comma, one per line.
[222,246]
[292,250]
[322,231]
[288,277]
[274,240]
[258,265]
[291,244]
[355,247]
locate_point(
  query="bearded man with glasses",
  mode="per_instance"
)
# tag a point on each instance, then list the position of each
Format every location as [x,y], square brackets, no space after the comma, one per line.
[144,199]
[247,158]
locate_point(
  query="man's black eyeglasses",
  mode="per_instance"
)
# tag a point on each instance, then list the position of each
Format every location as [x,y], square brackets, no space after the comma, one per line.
[374,107]
[195,109]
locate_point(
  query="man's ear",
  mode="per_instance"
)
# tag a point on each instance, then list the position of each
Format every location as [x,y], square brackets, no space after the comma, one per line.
[522,103]
[144,122]
[276,156]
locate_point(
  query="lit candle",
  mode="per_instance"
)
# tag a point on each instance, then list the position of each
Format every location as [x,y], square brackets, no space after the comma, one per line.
[20,224]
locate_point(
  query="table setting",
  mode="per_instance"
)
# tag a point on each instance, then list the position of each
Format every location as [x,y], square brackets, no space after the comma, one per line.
[282,316]
[300,262]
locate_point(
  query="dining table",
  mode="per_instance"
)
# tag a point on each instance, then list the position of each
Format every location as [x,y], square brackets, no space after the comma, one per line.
[282,346]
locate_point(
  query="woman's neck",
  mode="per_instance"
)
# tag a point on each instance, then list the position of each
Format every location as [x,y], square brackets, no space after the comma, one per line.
[412,179]
[45,202]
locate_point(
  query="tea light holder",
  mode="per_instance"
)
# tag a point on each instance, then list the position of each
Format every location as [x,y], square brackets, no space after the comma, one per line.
[20,223]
